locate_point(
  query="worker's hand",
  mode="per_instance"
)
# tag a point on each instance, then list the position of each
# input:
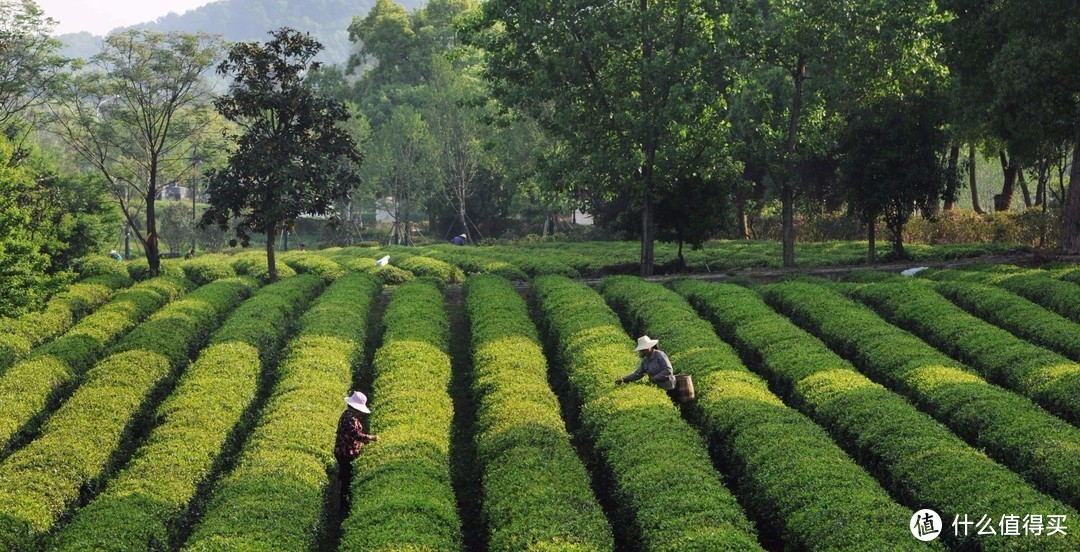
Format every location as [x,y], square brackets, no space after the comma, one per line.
[619,381]
[376,438]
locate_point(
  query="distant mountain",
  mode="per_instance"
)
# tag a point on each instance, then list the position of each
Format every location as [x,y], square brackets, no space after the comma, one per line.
[249,20]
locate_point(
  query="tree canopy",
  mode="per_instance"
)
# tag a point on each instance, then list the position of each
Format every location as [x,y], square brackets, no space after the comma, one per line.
[293,156]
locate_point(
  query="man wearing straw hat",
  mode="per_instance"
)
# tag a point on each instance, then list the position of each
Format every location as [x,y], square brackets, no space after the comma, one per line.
[350,440]
[655,364]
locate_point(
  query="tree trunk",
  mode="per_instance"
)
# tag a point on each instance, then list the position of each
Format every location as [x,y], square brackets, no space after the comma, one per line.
[1024,188]
[1003,201]
[971,180]
[954,177]
[740,216]
[898,245]
[871,252]
[271,262]
[1070,234]
[153,258]
[787,194]
[647,253]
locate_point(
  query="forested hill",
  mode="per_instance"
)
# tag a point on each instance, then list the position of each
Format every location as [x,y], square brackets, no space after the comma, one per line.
[243,20]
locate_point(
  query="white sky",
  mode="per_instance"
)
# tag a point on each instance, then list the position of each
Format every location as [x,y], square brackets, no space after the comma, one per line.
[101,16]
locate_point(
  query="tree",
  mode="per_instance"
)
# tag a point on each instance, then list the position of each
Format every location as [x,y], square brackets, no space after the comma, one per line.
[24,269]
[401,167]
[835,55]
[456,114]
[29,62]
[293,155]
[891,164]
[635,89]
[137,117]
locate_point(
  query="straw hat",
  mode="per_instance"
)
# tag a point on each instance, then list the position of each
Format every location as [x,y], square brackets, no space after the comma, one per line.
[645,342]
[463,236]
[358,401]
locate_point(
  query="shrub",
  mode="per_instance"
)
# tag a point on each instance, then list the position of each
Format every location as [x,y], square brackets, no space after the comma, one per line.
[391,275]
[1044,376]
[254,264]
[408,502]
[19,335]
[790,472]
[1014,430]
[273,498]
[920,461]
[208,268]
[81,439]
[139,269]
[142,505]
[536,490]
[311,263]
[31,385]
[690,511]
[99,265]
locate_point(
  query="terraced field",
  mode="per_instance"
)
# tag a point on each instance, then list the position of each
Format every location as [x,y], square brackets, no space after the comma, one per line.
[197,410]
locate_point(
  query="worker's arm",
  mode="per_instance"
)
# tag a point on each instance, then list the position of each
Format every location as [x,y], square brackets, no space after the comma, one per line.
[635,375]
[355,431]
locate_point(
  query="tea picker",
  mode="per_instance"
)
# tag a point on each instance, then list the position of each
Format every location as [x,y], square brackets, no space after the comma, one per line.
[657,366]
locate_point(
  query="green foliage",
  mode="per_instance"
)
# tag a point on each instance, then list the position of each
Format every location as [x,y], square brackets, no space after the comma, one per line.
[98,265]
[29,61]
[920,461]
[784,461]
[891,165]
[206,269]
[84,434]
[34,384]
[423,266]
[273,498]
[1046,377]
[403,497]
[687,510]
[135,116]
[1011,428]
[19,335]
[536,490]
[306,263]
[391,275]
[254,264]
[1019,316]
[293,157]
[139,269]
[145,500]
[630,90]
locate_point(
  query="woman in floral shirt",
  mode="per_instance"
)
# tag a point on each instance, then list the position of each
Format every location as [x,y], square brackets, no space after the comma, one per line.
[350,440]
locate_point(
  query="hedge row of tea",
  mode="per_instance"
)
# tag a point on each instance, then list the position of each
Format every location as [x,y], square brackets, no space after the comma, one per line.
[669,495]
[19,335]
[32,385]
[1037,286]
[273,498]
[80,440]
[914,457]
[1019,316]
[402,494]
[536,492]
[792,476]
[1046,377]
[142,505]
[1014,430]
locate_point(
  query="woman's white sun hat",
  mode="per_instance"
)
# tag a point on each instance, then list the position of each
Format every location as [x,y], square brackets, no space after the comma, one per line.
[645,342]
[358,401]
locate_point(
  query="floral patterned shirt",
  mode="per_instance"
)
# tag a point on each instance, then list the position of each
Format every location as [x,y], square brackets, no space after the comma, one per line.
[350,435]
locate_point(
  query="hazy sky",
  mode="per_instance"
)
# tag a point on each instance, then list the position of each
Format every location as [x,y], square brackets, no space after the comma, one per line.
[101,16]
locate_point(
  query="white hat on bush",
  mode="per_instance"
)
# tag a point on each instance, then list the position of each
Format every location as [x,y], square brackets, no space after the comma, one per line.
[645,342]
[358,401]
